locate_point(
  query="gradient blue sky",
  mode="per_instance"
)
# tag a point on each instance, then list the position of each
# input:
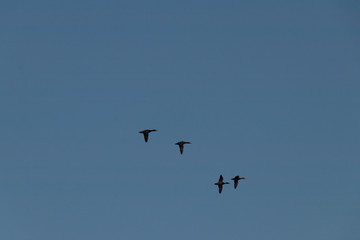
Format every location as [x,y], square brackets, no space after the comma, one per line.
[265,89]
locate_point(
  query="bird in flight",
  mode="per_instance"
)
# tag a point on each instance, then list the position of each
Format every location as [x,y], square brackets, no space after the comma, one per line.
[220,183]
[146,133]
[181,145]
[236,180]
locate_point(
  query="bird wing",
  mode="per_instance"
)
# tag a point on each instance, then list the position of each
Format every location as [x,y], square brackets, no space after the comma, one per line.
[181,148]
[146,136]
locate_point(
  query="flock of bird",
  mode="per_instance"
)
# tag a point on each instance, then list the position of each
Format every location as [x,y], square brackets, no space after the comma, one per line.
[181,144]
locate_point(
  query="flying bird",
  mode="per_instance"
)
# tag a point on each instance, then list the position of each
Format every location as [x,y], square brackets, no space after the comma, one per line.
[220,183]
[236,180]
[146,133]
[181,145]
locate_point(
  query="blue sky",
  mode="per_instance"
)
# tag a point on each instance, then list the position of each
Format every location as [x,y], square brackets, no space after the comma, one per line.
[265,89]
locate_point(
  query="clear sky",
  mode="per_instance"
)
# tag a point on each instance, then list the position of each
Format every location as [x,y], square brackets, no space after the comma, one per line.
[269,90]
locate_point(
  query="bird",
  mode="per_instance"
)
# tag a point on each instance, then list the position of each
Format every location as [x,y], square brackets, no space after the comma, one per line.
[236,180]
[181,145]
[220,183]
[146,133]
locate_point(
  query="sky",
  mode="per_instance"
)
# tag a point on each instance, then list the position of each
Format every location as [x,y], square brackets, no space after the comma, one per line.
[268,90]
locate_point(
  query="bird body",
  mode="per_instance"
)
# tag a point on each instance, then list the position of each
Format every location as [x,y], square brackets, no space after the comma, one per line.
[181,145]
[220,183]
[146,133]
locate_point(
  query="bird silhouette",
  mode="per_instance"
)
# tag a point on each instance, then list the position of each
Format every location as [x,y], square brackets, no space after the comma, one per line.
[220,183]
[181,145]
[236,180]
[146,133]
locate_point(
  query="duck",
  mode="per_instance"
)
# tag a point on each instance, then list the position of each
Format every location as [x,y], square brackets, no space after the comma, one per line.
[236,180]
[220,183]
[146,133]
[181,145]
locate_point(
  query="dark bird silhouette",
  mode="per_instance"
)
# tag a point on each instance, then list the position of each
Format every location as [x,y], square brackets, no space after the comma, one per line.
[236,180]
[220,183]
[181,145]
[146,133]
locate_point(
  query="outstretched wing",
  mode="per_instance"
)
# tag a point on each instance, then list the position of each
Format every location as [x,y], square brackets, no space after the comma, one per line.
[181,148]
[221,178]
[146,136]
